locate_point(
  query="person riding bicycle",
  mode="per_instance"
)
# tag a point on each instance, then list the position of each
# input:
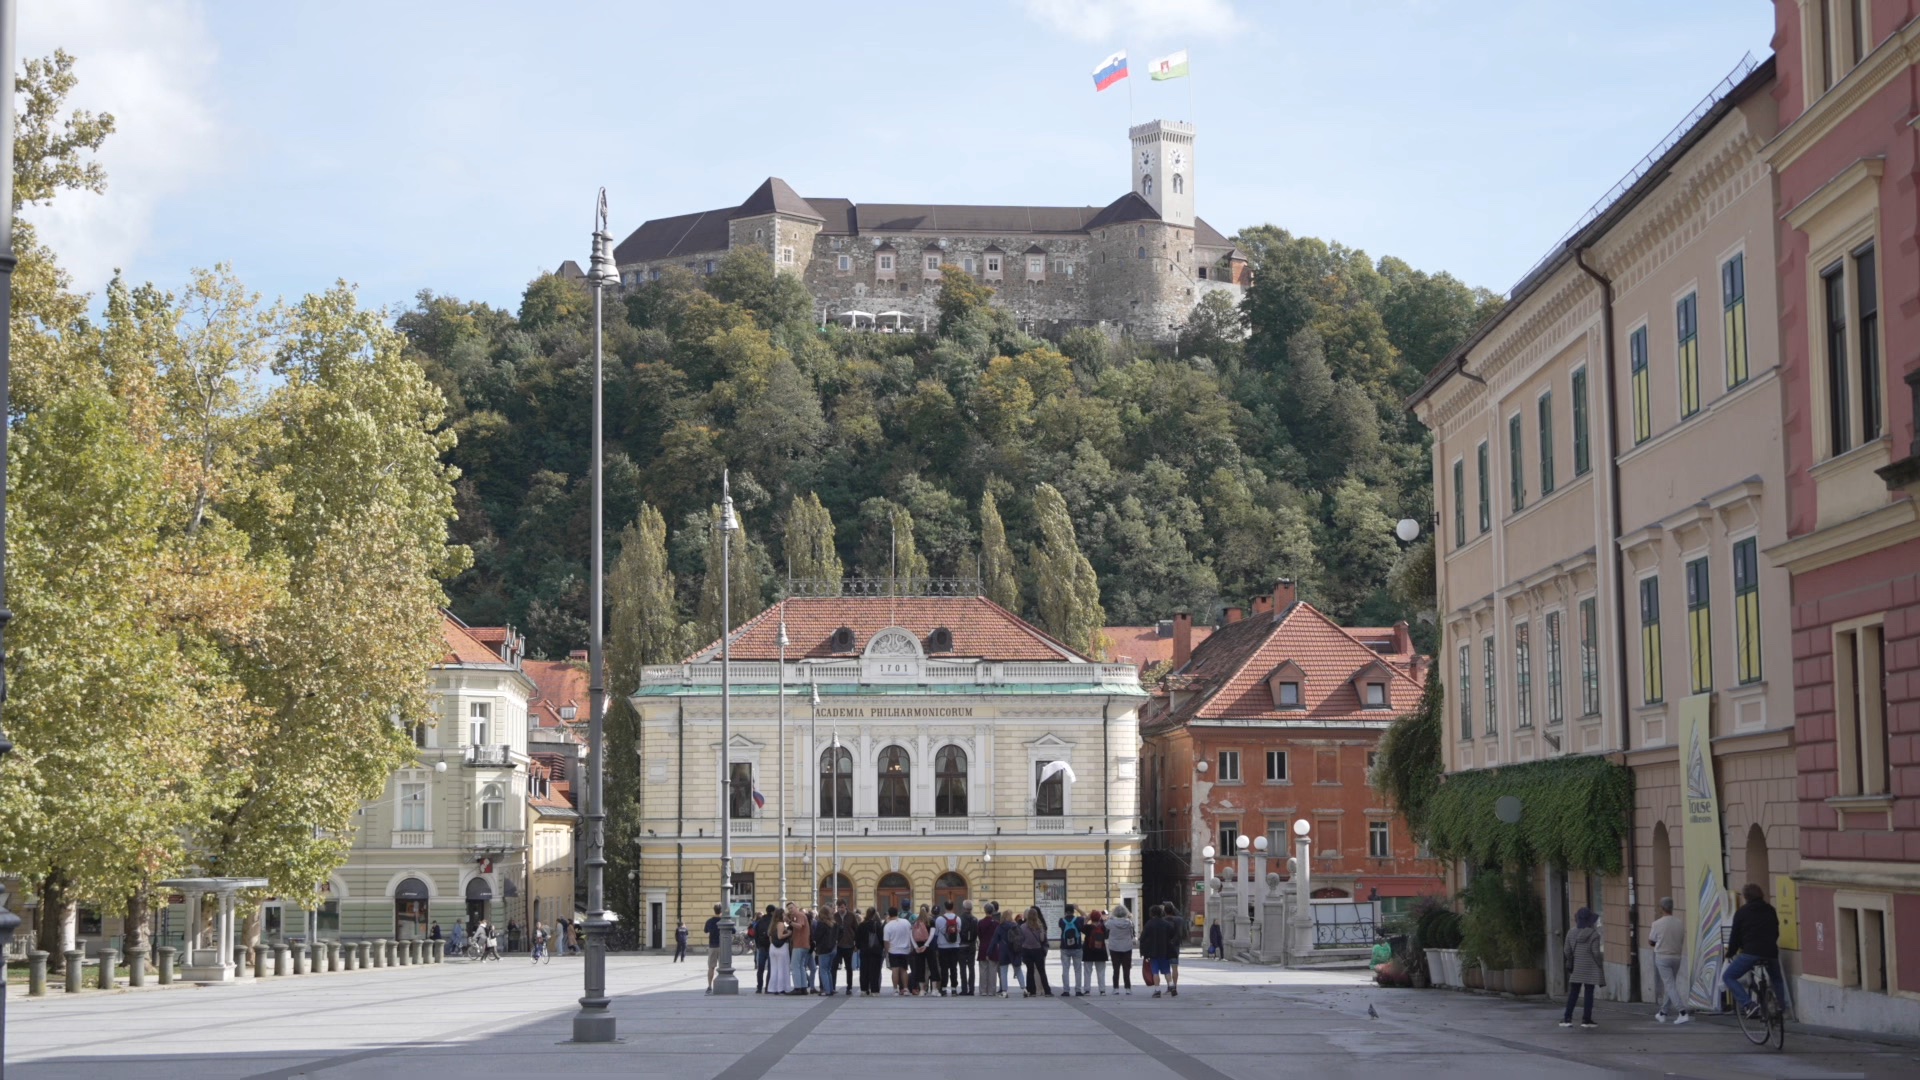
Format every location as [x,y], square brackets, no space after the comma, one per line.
[1755,940]
[539,942]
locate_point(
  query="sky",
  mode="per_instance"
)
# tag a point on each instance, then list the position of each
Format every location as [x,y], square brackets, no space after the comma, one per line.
[457,147]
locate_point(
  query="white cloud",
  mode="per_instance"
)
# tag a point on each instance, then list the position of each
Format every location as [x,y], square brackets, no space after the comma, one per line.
[1103,20]
[150,64]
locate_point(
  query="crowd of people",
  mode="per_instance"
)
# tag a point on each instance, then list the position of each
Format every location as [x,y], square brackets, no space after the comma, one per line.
[951,952]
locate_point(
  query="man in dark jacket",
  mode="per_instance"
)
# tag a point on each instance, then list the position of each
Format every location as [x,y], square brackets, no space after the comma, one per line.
[844,950]
[1755,939]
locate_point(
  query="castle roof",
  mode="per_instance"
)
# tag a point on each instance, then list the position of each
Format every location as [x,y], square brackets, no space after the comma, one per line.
[1128,207]
[773,196]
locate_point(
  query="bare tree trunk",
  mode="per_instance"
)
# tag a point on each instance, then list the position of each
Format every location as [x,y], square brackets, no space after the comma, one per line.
[137,928]
[250,927]
[55,909]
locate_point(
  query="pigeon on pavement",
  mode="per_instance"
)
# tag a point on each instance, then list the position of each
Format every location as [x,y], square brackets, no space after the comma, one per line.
[1371,1012]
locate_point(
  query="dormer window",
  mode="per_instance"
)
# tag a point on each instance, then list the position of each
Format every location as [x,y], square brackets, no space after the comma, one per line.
[568,711]
[993,266]
[940,641]
[886,262]
[1376,695]
[1036,265]
[1289,696]
[933,263]
[1285,683]
[842,640]
[1370,685]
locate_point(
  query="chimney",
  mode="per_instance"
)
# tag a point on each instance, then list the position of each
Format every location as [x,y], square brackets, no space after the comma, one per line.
[1402,639]
[1235,614]
[1284,594]
[579,655]
[1182,639]
[1262,605]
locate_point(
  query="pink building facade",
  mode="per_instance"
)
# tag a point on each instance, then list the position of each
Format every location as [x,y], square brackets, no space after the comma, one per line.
[1846,162]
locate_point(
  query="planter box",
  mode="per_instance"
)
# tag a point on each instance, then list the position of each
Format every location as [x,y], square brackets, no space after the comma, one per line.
[1494,979]
[1470,975]
[1526,981]
[1443,966]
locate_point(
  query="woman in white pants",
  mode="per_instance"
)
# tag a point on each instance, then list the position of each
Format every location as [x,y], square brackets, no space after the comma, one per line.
[1669,940]
[779,954]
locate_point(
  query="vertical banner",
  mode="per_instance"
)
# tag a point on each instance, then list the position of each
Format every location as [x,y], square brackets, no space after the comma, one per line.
[1701,839]
[1786,903]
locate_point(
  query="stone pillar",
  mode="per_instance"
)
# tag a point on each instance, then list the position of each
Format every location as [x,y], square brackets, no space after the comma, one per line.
[280,958]
[109,959]
[166,964]
[137,966]
[413,950]
[260,961]
[36,974]
[393,953]
[439,951]
[76,965]
[333,955]
[361,950]
[379,952]
[299,950]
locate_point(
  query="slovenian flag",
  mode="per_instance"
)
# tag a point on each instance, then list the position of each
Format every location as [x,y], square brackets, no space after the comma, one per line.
[759,800]
[1110,71]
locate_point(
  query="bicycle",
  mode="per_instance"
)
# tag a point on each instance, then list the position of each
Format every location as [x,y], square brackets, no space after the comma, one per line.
[1769,1022]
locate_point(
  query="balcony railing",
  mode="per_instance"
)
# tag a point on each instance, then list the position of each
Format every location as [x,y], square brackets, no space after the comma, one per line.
[500,756]
[412,838]
[494,839]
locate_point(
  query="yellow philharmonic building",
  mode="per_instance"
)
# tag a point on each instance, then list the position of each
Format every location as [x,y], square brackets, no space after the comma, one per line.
[923,769]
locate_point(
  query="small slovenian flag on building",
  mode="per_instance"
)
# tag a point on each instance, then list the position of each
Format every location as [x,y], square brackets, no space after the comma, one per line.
[1110,71]
[759,800]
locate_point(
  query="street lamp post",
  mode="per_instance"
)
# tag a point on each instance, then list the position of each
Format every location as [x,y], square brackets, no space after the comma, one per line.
[1303,884]
[594,1022]
[783,745]
[725,983]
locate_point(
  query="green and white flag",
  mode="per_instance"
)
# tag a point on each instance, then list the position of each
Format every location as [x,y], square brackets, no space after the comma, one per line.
[1173,66]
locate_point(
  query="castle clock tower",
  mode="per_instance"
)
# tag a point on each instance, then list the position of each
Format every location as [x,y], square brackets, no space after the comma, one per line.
[1162,168]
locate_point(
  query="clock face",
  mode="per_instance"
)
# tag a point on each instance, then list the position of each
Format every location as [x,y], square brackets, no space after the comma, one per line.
[1177,159]
[1146,158]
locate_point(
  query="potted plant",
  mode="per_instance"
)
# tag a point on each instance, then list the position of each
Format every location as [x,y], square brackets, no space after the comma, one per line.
[1435,941]
[1503,931]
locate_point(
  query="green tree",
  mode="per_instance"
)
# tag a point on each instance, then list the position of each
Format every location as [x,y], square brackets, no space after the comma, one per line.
[747,277]
[808,541]
[888,550]
[960,295]
[999,578]
[745,561]
[1066,592]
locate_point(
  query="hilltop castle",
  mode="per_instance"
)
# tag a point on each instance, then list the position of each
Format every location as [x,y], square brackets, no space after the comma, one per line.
[1138,264]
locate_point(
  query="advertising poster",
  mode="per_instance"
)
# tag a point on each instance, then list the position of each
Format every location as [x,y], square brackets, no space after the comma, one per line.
[1707,912]
[1050,896]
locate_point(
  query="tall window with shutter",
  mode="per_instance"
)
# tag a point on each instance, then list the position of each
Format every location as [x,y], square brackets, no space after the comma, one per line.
[1746,608]
[1699,628]
[1686,319]
[1642,386]
[1582,452]
[1733,317]
[1652,682]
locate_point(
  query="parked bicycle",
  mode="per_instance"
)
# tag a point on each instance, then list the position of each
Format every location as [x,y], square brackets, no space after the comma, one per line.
[1768,1020]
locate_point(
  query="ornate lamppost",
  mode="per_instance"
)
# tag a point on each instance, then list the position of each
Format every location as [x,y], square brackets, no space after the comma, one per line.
[594,1022]
[725,982]
[9,922]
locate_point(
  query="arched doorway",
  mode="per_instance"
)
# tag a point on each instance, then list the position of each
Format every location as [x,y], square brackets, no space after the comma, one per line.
[410,908]
[1330,894]
[893,892]
[949,886]
[1662,865]
[479,898]
[829,897]
[1759,861]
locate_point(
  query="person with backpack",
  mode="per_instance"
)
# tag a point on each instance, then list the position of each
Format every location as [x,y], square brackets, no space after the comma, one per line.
[1120,942]
[969,943]
[1072,965]
[924,967]
[871,940]
[1093,951]
[1033,952]
[757,933]
[946,938]
[845,954]
[986,932]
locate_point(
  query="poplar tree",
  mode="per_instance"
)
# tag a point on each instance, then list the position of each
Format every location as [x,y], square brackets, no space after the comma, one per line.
[887,549]
[744,601]
[1066,593]
[998,577]
[808,541]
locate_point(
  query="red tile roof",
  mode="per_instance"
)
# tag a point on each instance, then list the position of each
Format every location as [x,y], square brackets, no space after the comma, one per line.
[1143,645]
[981,629]
[1227,676]
[464,645]
[557,683]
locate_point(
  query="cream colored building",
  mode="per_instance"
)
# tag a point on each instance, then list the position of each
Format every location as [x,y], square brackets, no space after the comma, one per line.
[446,842]
[940,715]
[1608,475]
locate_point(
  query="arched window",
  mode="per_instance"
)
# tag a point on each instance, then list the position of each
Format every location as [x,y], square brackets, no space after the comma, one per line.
[827,895]
[896,788]
[1146,185]
[950,782]
[893,892]
[949,887]
[740,790]
[493,807]
[1140,253]
[1050,794]
[1179,184]
[836,785]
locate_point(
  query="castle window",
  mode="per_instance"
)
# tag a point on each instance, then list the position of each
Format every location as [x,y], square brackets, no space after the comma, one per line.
[1203,273]
[656,275]
[712,266]
[885,262]
[993,264]
[968,264]
[846,262]
[1179,184]
[786,255]
[933,262]
[1140,253]
[1036,265]
[834,243]
[759,234]
[1140,231]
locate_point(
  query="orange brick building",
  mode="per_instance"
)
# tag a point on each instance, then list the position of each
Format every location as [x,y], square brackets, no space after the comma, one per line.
[1275,717]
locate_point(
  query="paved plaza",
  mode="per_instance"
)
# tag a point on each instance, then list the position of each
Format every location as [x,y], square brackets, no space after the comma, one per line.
[512,1019]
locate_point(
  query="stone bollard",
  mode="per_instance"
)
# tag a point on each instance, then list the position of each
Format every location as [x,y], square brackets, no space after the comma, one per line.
[399,953]
[166,964]
[260,961]
[380,952]
[439,951]
[281,956]
[76,966]
[393,953]
[413,951]
[299,958]
[36,974]
[109,959]
[137,966]
[331,951]
[363,954]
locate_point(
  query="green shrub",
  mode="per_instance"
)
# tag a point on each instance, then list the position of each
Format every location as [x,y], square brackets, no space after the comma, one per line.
[1503,926]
